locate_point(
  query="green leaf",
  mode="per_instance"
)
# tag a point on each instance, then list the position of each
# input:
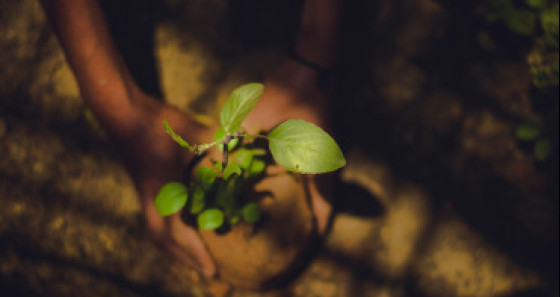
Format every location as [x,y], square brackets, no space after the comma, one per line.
[220,135]
[251,212]
[527,131]
[176,137]
[257,167]
[542,150]
[210,219]
[197,200]
[219,166]
[536,3]
[501,5]
[228,191]
[234,219]
[231,169]
[258,152]
[206,177]
[550,21]
[522,22]
[486,42]
[305,148]
[171,198]
[244,158]
[238,106]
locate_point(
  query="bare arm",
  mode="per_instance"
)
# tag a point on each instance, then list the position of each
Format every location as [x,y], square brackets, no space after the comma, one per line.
[105,83]
[319,31]
[132,118]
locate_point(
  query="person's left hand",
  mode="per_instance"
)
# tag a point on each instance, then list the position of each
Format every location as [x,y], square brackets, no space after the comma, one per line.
[153,159]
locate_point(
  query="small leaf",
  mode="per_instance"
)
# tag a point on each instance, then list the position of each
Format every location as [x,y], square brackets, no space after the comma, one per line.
[210,219]
[251,212]
[536,3]
[257,167]
[305,148]
[205,177]
[501,5]
[219,166]
[486,42]
[171,198]
[176,137]
[549,21]
[244,158]
[258,152]
[527,131]
[220,135]
[228,191]
[197,200]
[231,169]
[223,196]
[238,106]
[522,22]
[234,219]
[542,150]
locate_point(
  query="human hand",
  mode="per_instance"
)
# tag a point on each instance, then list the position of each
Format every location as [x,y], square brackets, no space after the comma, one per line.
[153,159]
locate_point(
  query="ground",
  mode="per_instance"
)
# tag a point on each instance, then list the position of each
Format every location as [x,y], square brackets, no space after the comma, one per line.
[439,198]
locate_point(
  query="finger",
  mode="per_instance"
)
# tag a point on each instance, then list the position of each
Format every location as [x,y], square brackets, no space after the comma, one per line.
[188,239]
[180,254]
[322,209]
[161,236]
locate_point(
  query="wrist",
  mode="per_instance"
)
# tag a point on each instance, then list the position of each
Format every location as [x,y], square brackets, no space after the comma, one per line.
[319,32]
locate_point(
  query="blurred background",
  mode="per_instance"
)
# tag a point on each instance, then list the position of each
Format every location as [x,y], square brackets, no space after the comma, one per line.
[446,110]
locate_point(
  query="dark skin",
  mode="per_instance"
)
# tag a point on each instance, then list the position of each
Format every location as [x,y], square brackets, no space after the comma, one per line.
[133,119]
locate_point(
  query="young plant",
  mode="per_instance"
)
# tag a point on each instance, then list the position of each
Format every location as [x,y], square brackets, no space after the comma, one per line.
[297,145]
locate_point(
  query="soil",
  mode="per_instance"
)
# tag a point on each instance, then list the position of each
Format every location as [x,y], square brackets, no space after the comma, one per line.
[439,197]
[262,255]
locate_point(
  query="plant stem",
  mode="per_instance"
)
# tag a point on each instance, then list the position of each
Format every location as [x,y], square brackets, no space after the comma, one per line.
[225,155]
[254,136]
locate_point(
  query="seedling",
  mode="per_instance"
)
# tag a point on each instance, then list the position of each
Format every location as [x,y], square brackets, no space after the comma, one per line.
[212,197]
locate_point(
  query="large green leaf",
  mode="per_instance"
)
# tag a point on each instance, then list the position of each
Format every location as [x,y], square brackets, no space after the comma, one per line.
[171,198]
[238,106]
[305,148]
[210,219]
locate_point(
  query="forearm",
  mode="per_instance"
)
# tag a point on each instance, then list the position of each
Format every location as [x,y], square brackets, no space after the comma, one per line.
[319,31]
[102,76]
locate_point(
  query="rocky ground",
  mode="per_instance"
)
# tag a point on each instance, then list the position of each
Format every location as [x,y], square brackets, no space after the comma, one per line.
[439,198]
